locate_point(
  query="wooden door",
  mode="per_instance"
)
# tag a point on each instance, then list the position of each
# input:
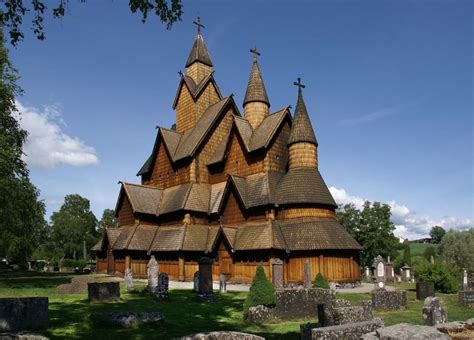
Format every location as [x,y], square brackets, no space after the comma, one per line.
[110,262]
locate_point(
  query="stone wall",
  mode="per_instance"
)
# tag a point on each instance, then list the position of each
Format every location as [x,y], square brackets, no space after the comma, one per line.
[466,298]
[221,335]
[23,313]
[103,291]
[348,331]
[389,300]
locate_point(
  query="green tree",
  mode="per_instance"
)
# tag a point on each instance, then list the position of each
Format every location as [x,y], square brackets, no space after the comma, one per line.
[407,254]
[13,12]
[445,277]
[371,227]
[436,234]
[21,212]
[261,291]
[456,248]
[108,220]
[320,282]
[73,224]
[428,252]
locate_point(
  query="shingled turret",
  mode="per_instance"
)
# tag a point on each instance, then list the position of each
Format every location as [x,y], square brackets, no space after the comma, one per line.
[256,104]
[199,64]
[302,142]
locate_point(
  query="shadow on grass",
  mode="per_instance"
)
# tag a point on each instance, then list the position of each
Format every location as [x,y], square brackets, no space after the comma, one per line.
[184,314]
[23,279]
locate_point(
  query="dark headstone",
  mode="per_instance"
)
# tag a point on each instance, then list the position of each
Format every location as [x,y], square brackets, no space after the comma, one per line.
[424,289]
[466,298]
[196,281]
[277,277]
[434,312]
[103,291]
[307,275]
[23,313]
[205,276]
[161,291]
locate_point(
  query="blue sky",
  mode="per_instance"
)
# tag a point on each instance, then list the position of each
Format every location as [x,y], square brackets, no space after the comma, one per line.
[388,89]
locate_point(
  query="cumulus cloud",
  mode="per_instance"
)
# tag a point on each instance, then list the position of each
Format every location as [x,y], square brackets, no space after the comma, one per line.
[47,144]
[407,223]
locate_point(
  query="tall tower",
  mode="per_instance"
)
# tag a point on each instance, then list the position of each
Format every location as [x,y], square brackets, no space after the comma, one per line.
[302,144]
[256,104]
[199,64]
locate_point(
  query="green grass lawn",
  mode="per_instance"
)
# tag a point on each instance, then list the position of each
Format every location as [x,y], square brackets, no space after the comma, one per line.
[418,249]
[70,315]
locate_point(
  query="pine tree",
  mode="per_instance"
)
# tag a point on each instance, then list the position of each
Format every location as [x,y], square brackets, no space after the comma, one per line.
[407,255]
[320,282]
[261,291]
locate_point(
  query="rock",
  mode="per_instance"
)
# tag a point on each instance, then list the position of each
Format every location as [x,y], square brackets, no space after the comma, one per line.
[277,277]
[389,300]
[21,336]
[350,331]
[434,311]
[404,331]
[129,319]
[222,336]
[260,314]
[17,314]
[128,278]
[152,271]
[103,291]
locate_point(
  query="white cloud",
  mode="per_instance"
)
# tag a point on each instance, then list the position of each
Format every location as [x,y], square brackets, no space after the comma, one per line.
[407,223]
[47,144]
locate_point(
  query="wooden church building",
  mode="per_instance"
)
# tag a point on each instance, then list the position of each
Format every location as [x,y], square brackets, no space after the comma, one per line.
[242,189]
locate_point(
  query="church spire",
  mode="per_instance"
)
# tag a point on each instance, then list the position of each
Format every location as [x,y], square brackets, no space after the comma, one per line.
[302,142]
[199,63]
[256,104]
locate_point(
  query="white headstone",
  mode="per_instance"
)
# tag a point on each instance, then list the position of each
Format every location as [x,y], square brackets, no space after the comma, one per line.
[465,280]
[152,273]
[393,272]
[380,269]
[128,280]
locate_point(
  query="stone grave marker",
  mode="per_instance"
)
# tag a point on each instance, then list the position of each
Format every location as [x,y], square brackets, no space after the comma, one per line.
[161,291]
[307,275]
[103,291]
[424,289]
[222,283]
[18,314]
[389,272]
[277,277]
[405,273]
[153,269]
[379,265]
[128,280]
[434,312]
[465,281]
[466,298]
[205,276]
[196,281]
[367,273]
[432,259]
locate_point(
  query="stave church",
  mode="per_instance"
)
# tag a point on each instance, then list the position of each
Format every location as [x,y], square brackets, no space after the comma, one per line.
[242,188]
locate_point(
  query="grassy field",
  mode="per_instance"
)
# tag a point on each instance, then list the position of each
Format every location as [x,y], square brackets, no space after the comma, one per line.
[70,315]
[417,249]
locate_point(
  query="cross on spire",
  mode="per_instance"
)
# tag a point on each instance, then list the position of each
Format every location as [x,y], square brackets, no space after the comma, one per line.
[256,54]
[300,85]
[198,24]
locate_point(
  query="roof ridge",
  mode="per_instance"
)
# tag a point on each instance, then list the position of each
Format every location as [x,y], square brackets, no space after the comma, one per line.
[129,239]
[141,185]
[199,52]
[256,91]
[302,129]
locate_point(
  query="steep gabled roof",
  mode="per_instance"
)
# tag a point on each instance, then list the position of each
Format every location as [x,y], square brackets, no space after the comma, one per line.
[199,52]
[256,88]
[263,134]
[195,89]
[265,235]
[193,237]
[143,199]
[303,185]
[112,235]
[301,130]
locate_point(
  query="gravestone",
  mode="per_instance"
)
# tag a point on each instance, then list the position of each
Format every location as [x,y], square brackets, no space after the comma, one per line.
[153,269]
[103,291]
[23,313]
[466,298]
[367,273]
[434,312]
[405,273]
[389,272]
[161,291]
[389,300]
[424,289]
[432,259]
[277,277]
[465,281]
[196,281]
[307,275]
[379,265]
[128,280]
[205,276]
[222,284]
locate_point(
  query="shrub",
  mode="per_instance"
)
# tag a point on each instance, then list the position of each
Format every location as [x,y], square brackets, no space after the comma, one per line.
[443,276]
[320,282]
[261,292]
[429,251]
[73,263]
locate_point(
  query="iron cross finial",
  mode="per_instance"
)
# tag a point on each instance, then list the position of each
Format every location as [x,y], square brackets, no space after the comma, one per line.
[299,84]
[256,54]
[180,73]
[198,24]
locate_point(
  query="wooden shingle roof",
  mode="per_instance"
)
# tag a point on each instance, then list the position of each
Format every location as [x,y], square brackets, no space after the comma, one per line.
[199,52]
[256,88]
[301,130]
[195,89]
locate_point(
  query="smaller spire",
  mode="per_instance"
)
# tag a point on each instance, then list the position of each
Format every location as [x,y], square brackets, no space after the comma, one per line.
[199,51]
[256,88]
[301,130]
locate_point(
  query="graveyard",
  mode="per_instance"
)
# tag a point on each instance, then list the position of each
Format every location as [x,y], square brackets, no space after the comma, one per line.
[72,315]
